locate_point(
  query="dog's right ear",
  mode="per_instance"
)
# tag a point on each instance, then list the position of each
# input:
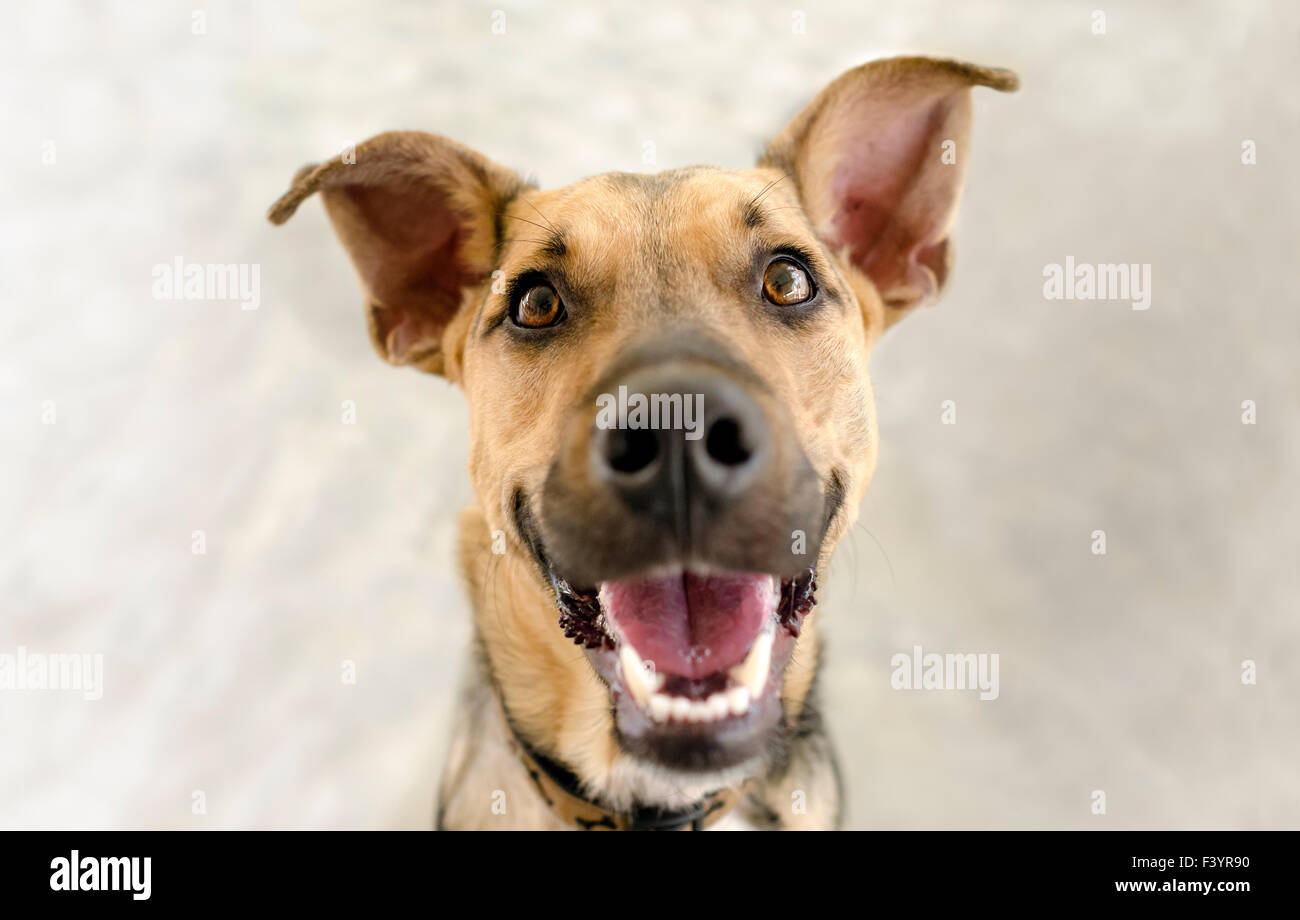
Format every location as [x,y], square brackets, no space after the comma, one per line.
[878,159]
[418,215]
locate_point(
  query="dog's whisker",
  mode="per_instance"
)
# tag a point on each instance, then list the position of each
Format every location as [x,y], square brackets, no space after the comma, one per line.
[527,221]
[541,215]
[767,188]
[889,565]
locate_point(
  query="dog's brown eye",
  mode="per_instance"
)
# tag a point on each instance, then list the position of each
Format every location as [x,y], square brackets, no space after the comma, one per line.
[540,306]
[786,284]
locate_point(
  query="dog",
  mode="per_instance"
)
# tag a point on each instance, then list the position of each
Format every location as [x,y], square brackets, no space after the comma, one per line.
[671,428]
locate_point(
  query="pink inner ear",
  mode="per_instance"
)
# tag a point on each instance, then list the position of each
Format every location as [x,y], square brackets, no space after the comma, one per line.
[411,264]
[893,198]
[404,335]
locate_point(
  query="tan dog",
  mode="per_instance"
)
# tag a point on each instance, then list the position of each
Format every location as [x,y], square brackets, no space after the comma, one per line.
[671,428]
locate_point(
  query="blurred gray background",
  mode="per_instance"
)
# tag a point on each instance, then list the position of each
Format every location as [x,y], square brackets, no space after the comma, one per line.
[326,541]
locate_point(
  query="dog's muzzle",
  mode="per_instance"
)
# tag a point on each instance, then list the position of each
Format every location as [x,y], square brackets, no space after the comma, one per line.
[681,548]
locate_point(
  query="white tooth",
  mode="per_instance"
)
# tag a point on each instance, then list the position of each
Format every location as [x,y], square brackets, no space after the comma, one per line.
[681,708]
[635,678]
[718,705]
[738,699]
[752,672]
[659,707]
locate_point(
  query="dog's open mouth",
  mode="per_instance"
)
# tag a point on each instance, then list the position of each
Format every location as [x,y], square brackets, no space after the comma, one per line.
[693,660]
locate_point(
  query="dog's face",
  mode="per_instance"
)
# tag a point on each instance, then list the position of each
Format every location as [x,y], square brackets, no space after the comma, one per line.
[671,418]
[704,294]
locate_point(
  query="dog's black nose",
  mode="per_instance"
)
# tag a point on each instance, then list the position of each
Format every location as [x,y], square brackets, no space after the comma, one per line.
[668,440]
[680,455]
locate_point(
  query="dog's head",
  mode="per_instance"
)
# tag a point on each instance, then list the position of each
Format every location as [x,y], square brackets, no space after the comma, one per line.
[671,418]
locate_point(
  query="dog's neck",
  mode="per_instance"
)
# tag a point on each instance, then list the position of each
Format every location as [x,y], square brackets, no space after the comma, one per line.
[562,791]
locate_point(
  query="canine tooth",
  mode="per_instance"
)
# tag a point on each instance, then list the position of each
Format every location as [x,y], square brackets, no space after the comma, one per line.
[738,699]
[659,707]
[752,672]
[635,678]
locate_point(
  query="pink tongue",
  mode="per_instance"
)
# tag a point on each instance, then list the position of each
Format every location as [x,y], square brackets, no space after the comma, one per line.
[690,625]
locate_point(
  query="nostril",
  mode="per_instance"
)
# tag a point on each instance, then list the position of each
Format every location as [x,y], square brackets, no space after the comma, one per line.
[725,443]
[631,450]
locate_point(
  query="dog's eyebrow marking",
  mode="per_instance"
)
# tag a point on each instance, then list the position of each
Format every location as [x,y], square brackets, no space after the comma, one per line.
[552,244]
[555,246]
[753,214]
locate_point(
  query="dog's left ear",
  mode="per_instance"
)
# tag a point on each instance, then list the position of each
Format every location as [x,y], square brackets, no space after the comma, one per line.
[417,214]
[879,158]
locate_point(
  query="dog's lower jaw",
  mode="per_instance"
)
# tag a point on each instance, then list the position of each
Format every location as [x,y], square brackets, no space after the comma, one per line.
[526,668]
[487,786]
